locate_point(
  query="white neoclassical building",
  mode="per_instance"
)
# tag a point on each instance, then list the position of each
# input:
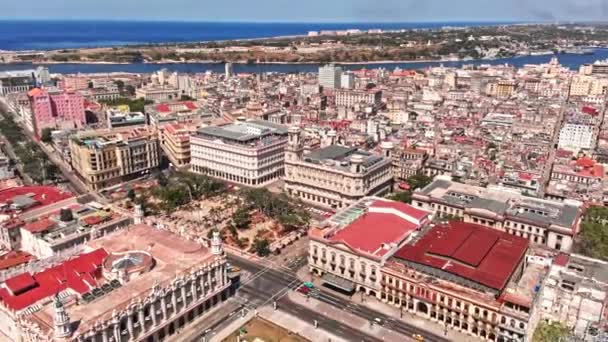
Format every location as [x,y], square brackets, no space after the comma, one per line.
[250,153]
[335,176]
[544,222]
[142,284]
[349,249]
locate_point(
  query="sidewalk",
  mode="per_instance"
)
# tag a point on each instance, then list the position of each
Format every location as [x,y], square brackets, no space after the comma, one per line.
[297,325]
[355,322]
[417,321]
[390,310]
[232,327]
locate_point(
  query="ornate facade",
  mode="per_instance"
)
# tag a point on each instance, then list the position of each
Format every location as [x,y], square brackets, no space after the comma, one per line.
[334,177]
[138,295]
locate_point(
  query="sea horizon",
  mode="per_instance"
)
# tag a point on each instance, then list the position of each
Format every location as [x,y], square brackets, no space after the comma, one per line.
[52,34]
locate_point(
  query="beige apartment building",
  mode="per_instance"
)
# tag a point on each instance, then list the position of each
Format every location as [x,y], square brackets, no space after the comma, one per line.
[335,177]
[352,97]
[108,157]
[175,143]
[543,222]
[250,153]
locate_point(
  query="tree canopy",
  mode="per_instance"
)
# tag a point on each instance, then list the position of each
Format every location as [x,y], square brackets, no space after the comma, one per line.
[594,233]
[278,207]
[550,332]
[46,135]
[261,247]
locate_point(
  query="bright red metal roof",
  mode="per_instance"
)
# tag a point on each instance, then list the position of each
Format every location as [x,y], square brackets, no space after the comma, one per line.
[375,230]
[483,255]
[78,274]
[19,283]
[44,195]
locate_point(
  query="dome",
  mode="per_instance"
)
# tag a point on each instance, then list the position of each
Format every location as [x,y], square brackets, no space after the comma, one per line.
[131,264]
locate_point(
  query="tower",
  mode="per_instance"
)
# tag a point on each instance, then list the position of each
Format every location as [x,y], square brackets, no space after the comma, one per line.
[61,319]
[139,214]
[229,69]
[331,138]
[387,149]
[216,244]
[294,149]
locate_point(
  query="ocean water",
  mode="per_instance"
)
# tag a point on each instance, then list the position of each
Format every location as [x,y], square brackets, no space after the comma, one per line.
[40,35]
[54,34]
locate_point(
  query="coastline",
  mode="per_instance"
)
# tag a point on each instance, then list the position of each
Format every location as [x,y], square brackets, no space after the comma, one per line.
[412,61]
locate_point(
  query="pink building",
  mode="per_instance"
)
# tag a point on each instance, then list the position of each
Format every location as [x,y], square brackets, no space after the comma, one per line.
[57,110]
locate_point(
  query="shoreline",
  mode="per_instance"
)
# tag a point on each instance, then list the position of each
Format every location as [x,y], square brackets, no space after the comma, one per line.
[258,62]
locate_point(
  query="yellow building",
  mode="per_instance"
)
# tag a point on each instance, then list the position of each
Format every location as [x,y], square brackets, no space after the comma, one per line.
[175,142]
[108,157]
[505,88]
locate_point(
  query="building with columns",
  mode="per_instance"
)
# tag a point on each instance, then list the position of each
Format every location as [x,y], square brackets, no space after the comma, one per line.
[142,284]
[545,222]
[104,158]
[335,176]
[476,280]
[250,153]
[348,249]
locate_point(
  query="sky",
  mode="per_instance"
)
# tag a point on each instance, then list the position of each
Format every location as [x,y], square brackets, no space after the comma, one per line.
[309,10]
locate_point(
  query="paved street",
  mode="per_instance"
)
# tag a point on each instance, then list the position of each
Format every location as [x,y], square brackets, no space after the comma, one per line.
[546,175]
[76,184]
[259,290]
[271,283]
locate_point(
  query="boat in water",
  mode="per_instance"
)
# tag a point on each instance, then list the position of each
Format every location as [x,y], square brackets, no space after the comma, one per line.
[578,51]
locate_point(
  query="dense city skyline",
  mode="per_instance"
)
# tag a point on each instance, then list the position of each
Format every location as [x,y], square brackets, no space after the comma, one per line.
[312,11]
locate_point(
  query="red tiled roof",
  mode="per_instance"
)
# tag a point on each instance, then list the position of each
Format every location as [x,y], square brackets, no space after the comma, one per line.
[34,92]
[483,255]
[94,219]
[39,226]
[561,259]
[44,195]
[585,162]
[163,108]
[525,176]
[78,274]
[190,105]
[12,259]
[564,153]
[589,110]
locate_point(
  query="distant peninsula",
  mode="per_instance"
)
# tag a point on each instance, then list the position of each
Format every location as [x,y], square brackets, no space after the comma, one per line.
[348,46]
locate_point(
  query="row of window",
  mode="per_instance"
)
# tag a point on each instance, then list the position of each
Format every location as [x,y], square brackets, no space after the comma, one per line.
[446,302]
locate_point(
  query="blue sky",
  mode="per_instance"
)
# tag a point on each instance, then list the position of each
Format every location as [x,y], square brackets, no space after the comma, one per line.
[309,10]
